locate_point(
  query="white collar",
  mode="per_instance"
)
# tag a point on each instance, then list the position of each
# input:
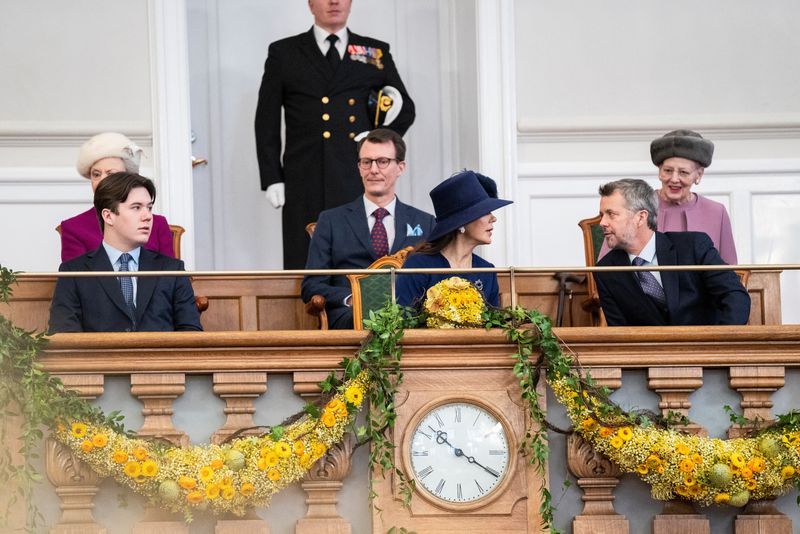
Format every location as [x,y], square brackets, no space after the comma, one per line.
[648,253]
[114,254]
[321,36]
[370,206]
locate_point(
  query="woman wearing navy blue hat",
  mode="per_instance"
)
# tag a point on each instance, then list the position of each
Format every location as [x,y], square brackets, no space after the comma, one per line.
[463,204]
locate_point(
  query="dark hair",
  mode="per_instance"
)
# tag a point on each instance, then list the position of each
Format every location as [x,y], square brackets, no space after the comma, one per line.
[114,190]
[435,246]
[385,135]
[638,196]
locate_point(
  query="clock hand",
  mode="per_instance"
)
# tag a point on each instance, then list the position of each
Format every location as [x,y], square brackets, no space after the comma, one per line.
[472,460]
[441,438]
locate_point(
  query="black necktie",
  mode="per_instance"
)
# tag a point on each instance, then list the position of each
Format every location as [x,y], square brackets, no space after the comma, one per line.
[333,54]
[649,284]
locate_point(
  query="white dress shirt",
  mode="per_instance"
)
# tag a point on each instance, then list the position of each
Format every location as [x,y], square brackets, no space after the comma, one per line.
[388,220]
[321,36]
[648,254]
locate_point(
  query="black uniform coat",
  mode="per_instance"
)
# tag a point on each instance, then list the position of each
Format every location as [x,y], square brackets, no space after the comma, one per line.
[693,297]
[163,304]
[324,110]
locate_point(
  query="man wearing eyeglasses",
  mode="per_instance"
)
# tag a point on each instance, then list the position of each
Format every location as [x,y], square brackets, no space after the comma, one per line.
[375,224]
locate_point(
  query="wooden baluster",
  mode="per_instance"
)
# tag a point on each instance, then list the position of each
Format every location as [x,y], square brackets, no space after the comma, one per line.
[75,482]
[239,391]
[674,385]
[324,480]
[596,475]
[756,384]
[157,392]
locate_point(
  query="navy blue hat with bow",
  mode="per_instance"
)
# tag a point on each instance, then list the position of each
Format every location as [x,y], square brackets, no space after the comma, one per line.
[461,199]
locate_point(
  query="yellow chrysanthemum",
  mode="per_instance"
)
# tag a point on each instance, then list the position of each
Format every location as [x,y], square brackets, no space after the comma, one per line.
[228,493]
[226,482]
[689,481]
[270,460]
[697,459]
[86,446]
[264,451]
[212,491]
[642,469]
[605,432]
[695,491]
[100,440]
[354,395]
[653,461]
[787,471]
[187,483]
[140,453]
[625,433]
[737,460]
[283,449]
[194,497]
[588,424]
[78,430]
[149,468]
[746,472]
[216,464]
[722,498]
[328,419]
[306,460]
[274,475]
[120,456]
[682,490]
[751,484]
[247,489]
[686,465]
[682,448]
[133,469]
[299,447]
[757,464]
[206,473]
[318,449]
[617,442]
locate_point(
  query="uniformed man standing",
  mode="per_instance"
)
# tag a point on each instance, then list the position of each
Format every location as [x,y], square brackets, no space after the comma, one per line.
[324,79]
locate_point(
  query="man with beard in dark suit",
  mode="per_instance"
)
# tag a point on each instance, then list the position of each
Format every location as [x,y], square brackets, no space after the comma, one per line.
[375,224]
[323,79]
[124,205]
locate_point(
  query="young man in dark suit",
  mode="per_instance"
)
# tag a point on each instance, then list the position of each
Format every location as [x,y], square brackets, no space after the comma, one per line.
[322,79]
[629,213]
[124,206]
[373,225]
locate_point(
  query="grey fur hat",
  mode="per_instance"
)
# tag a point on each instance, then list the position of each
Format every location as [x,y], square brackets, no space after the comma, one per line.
[108,145]
[682,144]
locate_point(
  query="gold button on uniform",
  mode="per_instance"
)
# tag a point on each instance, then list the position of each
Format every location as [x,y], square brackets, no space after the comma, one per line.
[351,135]
[325,117]
[325,99]
[326,134]
[352,101]
[352,118]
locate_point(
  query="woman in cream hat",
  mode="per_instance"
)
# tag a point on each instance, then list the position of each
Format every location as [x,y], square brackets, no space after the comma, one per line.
[463,204]
[100,156]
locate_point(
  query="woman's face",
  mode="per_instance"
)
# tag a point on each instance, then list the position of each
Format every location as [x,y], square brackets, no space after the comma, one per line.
[480,230]
[677,176]
[104,167]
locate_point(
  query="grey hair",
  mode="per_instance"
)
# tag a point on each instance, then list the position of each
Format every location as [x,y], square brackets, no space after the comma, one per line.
[638,196]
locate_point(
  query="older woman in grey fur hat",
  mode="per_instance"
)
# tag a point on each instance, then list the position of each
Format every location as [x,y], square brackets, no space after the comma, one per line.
[103,155]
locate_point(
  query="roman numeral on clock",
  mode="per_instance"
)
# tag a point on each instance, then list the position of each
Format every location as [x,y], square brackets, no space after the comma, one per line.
[425,472]
[439,486]
[438,419]
[419,453]
[480,488]
[458,491]
[458,414]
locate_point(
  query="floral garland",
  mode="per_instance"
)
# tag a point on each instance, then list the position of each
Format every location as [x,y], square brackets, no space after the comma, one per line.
[453,303]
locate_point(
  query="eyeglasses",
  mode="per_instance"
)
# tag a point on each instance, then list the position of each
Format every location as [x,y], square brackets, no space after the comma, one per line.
[382,163]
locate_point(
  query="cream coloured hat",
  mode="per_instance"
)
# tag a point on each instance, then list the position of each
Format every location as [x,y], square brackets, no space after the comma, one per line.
[108,145]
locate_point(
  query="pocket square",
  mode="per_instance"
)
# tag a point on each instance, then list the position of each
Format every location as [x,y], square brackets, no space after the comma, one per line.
[416,231]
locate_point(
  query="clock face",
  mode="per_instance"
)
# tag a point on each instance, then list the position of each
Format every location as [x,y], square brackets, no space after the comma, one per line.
[459,452]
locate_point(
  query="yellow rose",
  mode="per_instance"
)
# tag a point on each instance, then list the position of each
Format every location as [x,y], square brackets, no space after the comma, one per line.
[100,440]
[120,456]
[78,430]
[133,469]
[274,475]
[187,482]
[195,497]
[247,489]
[333,405]
[86,446]
[149,468]
[283,450]
[140,453]
[328,419]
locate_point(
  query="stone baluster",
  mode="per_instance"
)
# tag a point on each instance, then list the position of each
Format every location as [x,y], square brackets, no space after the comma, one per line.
[324,480]
[75,483]
[756,384]
[597,476]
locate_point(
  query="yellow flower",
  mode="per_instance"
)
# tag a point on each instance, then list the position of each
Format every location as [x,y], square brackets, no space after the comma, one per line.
[588,424]
[605,431]
[689,481]
[86,446]
[140,453]
[206,473]
[642,469]
[318,449]
[100,440]
[682,490]
[270,460]
[78,430]
[697,459]
[274,475]
[682,448]
[653,461]
[625,433]
[617,442]
[133,469]
[187,482]
[660,469]
[264,451]
[746,472]
[247,489]
[149,468]
[306,460]
[120,456]
[686,465]
[354,395]
[341,411]
[737,460]
[299,447]
[757,464]
[722,498]
[787,471]
[333,405]
[194,497]
[226,482]
[212,491]
[216,464]
[228,493]
[695,490]
[750,484]
[282,449]
[328,419]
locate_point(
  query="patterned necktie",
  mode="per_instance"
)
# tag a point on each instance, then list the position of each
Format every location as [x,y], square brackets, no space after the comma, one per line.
[126,282]
[649,284]
[333,55]
[380,242]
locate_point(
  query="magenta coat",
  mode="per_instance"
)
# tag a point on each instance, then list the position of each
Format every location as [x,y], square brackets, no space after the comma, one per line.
[705,215]
[81,234]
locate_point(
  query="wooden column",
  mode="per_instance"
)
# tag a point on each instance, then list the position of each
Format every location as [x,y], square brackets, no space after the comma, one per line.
[249,524]
[75,483]
[239,391]
[324,481]
[756,385]
[597,476]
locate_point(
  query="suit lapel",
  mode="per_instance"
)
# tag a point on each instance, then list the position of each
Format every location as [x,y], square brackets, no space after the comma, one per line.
[666,255]
[357,219]
[309,47]
[98,261]
[145,285]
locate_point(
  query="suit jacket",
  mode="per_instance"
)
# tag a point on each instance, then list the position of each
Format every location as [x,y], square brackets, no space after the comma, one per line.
[163,304]
[324,111]
[692,297]
[82,234]
[342,241]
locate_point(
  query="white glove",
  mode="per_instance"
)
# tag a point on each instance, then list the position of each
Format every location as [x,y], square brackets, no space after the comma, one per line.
[397,104]
[276,194]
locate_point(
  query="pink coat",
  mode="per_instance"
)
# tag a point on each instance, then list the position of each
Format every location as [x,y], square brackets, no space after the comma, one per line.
[706,216]
[81,234]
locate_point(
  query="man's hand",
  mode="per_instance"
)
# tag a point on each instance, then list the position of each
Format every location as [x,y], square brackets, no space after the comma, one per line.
[276,195]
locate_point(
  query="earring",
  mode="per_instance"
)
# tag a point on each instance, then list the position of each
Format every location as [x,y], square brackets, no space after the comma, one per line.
[461,230]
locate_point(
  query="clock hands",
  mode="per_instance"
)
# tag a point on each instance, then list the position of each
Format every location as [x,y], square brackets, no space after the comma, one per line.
[441,439]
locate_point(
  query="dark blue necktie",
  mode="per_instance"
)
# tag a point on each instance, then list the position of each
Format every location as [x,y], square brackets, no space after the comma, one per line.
[126,283]
[649,284]
[378,237]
